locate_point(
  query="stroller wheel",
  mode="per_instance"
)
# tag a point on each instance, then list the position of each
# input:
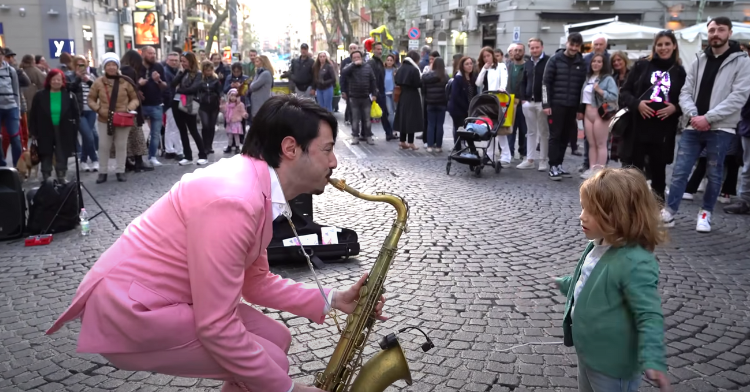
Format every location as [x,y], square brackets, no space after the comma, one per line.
[471,167]
[448,168]
[498,167]
[478,171]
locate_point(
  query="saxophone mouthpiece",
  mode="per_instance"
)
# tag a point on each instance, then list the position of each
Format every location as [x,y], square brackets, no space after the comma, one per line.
[338,184]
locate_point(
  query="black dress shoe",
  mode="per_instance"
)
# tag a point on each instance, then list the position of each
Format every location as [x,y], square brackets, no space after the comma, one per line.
[228,150]
[102,178]
[170,155]
[121,177]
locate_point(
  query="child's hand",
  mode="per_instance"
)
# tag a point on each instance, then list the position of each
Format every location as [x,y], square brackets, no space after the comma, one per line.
[245,115]
[660,379]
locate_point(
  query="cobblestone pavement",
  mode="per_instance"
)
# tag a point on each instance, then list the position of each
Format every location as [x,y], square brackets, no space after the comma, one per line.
[473,271]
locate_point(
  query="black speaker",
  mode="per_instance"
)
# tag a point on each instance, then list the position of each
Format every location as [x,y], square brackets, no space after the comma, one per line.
[12,204]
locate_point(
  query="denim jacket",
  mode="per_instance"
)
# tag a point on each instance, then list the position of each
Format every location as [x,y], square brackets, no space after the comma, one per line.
[611,93]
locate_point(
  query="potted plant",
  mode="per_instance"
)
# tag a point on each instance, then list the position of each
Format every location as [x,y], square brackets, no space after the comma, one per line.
[336,97]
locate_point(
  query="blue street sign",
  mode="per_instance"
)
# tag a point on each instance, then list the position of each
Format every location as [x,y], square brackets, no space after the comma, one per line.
[1,29]
[57,46]
[414,33]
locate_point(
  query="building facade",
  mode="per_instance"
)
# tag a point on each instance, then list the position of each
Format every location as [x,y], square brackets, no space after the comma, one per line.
[88,27]
[465,26]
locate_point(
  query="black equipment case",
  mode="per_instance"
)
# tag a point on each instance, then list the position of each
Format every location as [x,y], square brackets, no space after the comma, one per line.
[12,204]
[302,217]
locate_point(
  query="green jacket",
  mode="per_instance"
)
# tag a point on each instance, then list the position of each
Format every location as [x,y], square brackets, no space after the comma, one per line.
[619,325]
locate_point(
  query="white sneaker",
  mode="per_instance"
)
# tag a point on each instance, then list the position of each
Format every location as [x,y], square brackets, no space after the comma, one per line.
[94,166]
[154,161]
[85,167]
[202,162]
[704,222]
[687,196]
[429,149]
[544,165]
[702,186]
[525,165]
[185,162]
[724,198]
[587,174]
[667,218]
[504,164]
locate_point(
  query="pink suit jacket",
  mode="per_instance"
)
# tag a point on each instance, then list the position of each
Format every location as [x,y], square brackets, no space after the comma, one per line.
[179,270]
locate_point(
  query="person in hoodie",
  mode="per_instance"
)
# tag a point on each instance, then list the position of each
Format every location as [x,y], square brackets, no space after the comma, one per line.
[716,89]
[376,63]
[10,107]
[564,77]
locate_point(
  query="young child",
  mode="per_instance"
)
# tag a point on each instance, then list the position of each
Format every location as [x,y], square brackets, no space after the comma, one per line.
[234,113]
[613,313]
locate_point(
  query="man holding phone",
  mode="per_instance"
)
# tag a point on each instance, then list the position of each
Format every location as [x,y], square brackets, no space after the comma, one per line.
[152,84]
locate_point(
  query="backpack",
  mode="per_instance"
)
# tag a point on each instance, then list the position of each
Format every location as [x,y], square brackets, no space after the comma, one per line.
[50,199]
[448,89]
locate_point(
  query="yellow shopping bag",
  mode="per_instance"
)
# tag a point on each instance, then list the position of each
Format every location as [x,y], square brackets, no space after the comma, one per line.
[376,111]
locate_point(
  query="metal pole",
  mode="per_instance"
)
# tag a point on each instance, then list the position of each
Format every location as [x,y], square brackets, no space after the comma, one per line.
[701,6]
[232,4]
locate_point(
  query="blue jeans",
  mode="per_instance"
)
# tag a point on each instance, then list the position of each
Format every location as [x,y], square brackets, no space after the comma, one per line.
[11,118]
[391,107]
[593,381]
[325,98]
[519,130]
[692,142]
[385,120]
[435,122]
[154,113]
[89,135]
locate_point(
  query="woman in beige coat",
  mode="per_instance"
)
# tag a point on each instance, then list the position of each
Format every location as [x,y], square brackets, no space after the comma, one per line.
[126,101]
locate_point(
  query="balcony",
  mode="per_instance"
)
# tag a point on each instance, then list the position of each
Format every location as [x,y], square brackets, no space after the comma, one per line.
[487,3]
[714,3]
[424,8]
[456,6]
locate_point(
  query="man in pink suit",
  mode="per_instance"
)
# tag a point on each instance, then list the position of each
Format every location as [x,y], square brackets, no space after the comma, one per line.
[165,297]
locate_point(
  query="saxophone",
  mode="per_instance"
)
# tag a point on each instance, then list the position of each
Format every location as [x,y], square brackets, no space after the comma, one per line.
[389,365]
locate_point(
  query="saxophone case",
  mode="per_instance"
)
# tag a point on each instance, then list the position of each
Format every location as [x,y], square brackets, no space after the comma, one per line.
[302,217]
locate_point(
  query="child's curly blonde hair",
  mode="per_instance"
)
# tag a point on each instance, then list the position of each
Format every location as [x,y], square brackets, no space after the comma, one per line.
[627,211]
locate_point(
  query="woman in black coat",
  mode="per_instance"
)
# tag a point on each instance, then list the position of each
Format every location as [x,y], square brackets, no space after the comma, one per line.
[409,117]
[53,123]
[652,94]
[462,91]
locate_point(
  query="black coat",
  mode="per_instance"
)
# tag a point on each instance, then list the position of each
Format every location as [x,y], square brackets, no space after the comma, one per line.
[652,130]
[378,68]
[533,76]
[40,122]
[409,116]
[462,92]
[434,89]
[563,80]
[210,94]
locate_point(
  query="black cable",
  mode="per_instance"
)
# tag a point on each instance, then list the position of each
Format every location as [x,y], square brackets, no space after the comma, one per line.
[425,346]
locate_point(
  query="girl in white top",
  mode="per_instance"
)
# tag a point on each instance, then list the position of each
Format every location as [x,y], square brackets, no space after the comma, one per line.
[493,76]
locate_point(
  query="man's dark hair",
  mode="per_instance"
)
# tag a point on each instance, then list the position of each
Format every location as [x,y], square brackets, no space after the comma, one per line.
[357,51]
[282,116]
[377,44]
[413,55]
[435,54]
[38,58]
[721,21]
[304,46]
[253,51]
[575,38]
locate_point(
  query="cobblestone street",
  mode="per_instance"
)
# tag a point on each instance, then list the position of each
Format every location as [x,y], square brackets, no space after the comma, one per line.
[474,272]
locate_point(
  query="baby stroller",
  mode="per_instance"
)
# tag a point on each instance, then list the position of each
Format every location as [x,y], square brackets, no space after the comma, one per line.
[486,116]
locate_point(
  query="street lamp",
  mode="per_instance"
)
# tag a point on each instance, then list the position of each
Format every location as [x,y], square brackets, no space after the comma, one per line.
[145,4]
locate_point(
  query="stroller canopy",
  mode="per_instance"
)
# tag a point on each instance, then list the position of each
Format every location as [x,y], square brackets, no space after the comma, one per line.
[487,105]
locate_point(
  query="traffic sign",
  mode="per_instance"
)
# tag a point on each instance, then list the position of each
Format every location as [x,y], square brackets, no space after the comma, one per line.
[413,44]
[414,33]
[516,34]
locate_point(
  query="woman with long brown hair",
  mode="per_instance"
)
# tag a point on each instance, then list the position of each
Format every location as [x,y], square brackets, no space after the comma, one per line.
[652,92]
[132,67]
[493,76]
[463,89]
[187,84]
[324,78]
[210,102]
[260,88]
[620,70]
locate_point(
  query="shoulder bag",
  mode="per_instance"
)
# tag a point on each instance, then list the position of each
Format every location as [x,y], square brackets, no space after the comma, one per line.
[117,119]
[621,121]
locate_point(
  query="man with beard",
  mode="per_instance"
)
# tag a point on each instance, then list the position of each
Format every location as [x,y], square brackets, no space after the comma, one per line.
[249,67]
[564,77]
[716,89]
[301,72]
[376,63]
[172,141]
[165,296]
[152,85]
[515,86]
[220,69]
[537,126]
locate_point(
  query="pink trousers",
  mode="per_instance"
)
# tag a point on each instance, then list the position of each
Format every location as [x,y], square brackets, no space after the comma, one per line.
[192,360]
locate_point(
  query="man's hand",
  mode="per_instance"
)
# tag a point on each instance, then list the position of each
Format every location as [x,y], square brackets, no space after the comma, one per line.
[155,76]
[373,98]
[358,62]
[85,77]
[235,85]
[304,388]
[343,95]
[548,111]
[579,116]
[312,92]
[660,379]
[700,123]
[142,81]
[346,300]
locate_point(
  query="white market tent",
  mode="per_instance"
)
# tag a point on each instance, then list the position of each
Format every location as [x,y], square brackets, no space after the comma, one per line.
[620,31]
[690,39]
